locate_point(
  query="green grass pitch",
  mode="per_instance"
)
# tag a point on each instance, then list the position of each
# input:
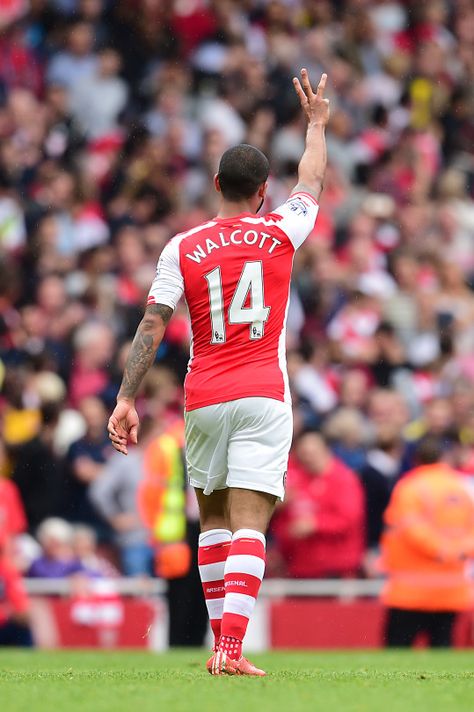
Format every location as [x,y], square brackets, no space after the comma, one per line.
[177,682]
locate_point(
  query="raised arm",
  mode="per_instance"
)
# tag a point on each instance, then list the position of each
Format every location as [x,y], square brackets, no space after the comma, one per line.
[312,166]
[123,423]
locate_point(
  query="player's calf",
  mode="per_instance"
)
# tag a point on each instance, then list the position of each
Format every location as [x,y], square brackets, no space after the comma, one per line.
[214,546]
[243,574]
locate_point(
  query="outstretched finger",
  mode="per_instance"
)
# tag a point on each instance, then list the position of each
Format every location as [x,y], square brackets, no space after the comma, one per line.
[306,83]
[120,448]
[117,438]
[116,427]
[134,434]
[322,86]
[119,443]
[299,90]
[112,426]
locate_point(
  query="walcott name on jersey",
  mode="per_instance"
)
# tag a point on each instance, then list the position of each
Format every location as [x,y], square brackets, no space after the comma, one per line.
[262,240]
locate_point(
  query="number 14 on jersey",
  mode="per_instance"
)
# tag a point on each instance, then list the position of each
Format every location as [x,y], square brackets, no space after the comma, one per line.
[249,288]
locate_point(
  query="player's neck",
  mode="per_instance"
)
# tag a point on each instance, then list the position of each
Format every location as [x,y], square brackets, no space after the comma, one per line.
[230,209]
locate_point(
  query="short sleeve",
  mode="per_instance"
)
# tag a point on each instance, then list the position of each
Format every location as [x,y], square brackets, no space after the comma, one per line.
[297,217]
[168,285]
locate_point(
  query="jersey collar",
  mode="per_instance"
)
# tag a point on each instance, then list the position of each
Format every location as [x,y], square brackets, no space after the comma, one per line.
[233,219]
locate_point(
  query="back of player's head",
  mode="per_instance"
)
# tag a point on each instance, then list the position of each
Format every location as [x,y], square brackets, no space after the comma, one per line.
[242,170]
[429,450]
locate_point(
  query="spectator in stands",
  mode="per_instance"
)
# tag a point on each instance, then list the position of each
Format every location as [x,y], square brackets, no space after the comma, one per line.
[19,64]
[347,433]
[77,61]
[114,495]
[58,559]
[354,388]
[98,100]
[389,357]
[94,344]
[378,477]
[425,550]
[38,473]
[387,459]
[352,330]
[319,529]
[12,220]
[85,549]
[437,420]
[63,136]
[86,458]
[400,308]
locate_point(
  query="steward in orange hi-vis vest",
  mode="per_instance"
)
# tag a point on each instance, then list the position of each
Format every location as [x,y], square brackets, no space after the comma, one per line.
[428,540]
[162,501]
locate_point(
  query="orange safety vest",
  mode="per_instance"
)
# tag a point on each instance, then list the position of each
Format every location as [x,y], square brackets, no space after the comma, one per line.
[161,494]
[429,535]
[162,501]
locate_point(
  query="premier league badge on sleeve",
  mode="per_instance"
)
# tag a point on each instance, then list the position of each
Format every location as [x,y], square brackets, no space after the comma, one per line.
[298,206]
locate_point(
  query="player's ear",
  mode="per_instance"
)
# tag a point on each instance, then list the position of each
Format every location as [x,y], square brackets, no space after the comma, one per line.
[217,185]
[262,191]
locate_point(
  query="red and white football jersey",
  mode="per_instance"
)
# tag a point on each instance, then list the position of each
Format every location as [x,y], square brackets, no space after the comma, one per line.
[235,274]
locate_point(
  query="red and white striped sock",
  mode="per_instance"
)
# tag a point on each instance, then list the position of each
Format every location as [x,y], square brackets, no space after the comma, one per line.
[243,575]
[214,546]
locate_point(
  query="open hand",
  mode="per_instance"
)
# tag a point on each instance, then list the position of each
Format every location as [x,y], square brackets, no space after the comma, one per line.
[123,426]
[314,105]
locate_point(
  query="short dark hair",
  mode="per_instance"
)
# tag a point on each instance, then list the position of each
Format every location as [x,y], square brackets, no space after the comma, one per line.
[242,169]
[429,450]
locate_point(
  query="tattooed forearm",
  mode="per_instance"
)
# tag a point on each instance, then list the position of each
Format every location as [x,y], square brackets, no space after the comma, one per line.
[140,358]
[159,309]
[144,346]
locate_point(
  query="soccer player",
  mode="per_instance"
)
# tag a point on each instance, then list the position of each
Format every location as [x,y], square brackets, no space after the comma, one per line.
[235,273]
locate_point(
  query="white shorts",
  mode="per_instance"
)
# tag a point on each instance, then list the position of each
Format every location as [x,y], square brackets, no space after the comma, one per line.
[242,443]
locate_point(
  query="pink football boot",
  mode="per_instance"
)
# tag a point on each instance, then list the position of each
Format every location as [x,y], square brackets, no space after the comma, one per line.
[221,664]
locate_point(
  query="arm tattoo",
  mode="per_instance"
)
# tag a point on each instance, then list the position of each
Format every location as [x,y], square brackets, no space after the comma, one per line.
[308,189]
[144,347]
[161,309]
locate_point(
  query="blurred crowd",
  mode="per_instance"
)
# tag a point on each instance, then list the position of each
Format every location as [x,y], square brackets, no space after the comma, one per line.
[113,116]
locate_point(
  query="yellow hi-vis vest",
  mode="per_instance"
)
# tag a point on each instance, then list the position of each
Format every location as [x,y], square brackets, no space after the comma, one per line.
[162,493]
